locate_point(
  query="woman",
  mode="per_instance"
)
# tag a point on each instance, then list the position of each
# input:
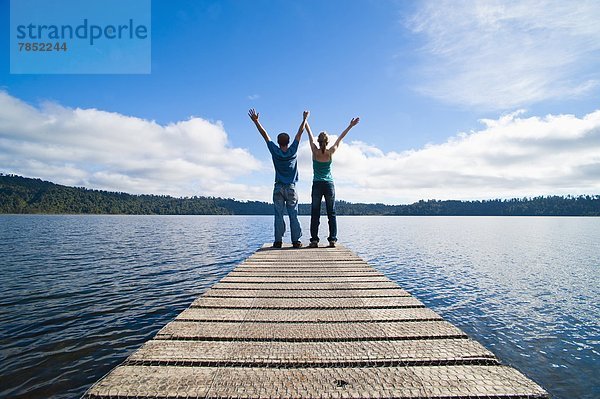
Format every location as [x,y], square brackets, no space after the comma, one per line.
[323,183]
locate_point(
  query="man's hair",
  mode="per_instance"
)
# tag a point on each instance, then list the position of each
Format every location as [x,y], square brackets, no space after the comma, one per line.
[283,139]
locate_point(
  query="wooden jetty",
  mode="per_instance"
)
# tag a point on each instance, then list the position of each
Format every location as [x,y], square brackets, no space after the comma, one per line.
[311,323]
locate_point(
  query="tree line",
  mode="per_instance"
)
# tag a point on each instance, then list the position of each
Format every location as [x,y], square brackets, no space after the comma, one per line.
[21,195]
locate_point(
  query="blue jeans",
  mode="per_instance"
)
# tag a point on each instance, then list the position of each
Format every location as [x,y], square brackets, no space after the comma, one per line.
[322,189]
[285,196]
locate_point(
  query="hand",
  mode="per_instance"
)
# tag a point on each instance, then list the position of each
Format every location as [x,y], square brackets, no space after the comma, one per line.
[354,121]
[305,114]
[253,115]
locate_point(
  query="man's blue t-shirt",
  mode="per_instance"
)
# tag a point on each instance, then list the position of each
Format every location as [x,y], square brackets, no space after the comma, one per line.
[286,168]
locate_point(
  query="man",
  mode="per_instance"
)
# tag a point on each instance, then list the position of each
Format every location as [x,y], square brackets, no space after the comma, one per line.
[286,175]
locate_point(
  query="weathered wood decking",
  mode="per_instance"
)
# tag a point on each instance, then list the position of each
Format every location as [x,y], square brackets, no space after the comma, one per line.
[311,323]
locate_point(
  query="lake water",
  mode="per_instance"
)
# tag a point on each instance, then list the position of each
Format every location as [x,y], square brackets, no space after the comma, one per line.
[81,293]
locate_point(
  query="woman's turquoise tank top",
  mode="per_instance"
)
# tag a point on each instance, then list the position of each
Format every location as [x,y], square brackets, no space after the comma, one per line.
[322,171]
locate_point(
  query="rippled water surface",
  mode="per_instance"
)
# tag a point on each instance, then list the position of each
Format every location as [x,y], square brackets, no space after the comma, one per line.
[80,293]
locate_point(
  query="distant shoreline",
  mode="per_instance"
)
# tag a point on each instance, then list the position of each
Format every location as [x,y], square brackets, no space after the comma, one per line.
[300,215]
[21,195]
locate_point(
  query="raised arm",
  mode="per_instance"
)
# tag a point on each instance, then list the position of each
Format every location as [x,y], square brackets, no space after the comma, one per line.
[353,123]
[311,138]
[302,125]
[254,116]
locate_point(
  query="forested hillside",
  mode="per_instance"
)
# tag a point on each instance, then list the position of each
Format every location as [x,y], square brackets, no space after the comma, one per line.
[25,195]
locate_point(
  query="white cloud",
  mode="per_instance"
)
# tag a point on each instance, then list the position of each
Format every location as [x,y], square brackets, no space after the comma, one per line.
[104,150]
[500,54]
[512,156]
[254,97]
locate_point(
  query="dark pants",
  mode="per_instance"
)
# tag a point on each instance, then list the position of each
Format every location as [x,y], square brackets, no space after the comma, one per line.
[322,189]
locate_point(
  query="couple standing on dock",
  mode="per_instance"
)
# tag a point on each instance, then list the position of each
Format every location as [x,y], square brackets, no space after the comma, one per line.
[286,175]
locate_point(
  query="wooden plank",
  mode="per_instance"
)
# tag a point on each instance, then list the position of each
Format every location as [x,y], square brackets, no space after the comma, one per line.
[282,331]
[310,315]
[304,303]
[405,352]
[308,286]
[360,382]
[340,293]
[304,280]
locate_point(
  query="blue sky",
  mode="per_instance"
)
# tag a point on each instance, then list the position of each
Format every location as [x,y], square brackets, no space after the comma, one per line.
[460,100]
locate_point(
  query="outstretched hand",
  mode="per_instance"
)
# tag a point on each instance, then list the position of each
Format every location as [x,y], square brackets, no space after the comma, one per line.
[305,114]
[253,115]
[354,121]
